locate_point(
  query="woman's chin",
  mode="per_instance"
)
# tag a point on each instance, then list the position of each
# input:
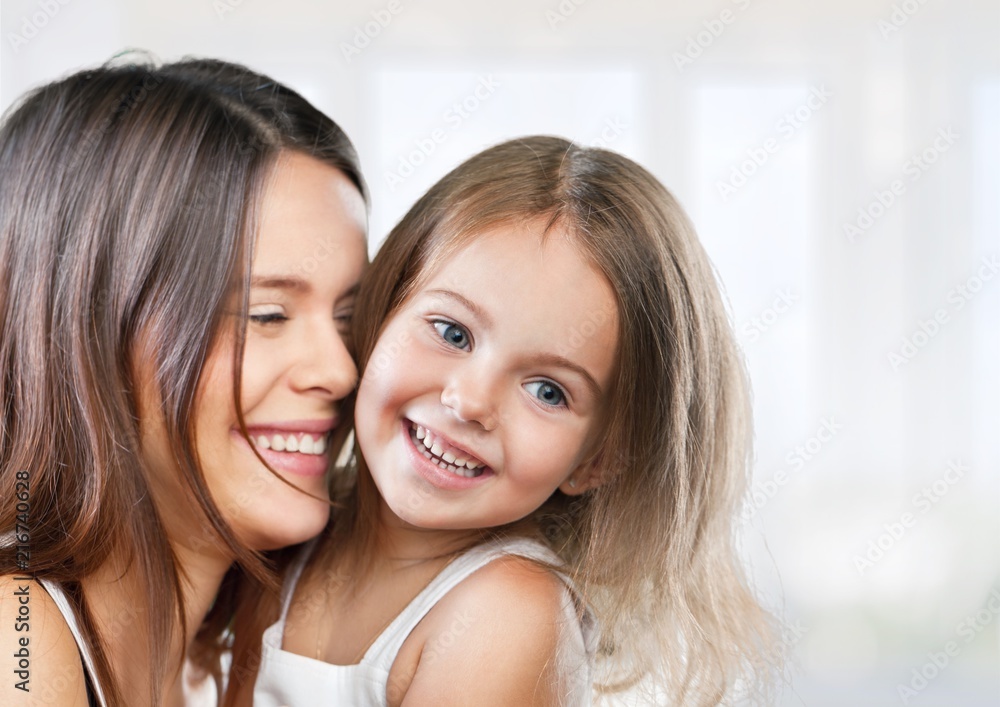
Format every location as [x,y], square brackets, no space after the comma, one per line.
[285,526]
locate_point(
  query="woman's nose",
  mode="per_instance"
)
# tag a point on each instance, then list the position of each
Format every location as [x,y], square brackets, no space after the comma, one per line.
[325,364]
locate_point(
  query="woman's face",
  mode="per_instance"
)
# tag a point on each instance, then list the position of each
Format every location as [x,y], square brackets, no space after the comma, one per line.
[297,363]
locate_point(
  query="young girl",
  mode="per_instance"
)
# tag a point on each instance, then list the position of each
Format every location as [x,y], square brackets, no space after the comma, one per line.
[554,428]
[179,252]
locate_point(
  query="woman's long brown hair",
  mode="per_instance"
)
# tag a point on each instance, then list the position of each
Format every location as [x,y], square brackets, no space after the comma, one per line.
[128,198]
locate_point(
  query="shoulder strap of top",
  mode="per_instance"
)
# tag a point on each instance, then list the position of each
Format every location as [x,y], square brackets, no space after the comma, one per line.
[385,648]
[62,602]
[292,579]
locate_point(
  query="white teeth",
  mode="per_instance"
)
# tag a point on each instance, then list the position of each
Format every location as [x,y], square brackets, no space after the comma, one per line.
[306,444]
[458,471]
[461,471]
[434,452]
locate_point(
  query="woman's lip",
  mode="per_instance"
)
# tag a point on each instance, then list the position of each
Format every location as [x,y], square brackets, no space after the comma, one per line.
[315,426]
[435,475]
[291,462]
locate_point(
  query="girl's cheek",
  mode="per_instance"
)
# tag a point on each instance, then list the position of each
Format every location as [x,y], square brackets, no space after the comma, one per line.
[394,352]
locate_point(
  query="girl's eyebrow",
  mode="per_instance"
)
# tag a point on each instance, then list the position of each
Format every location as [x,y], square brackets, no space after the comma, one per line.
[545,359]
[465,302]
[558,361]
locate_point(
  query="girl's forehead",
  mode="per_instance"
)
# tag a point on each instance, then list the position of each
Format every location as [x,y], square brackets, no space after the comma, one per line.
[532,291]
[530,230]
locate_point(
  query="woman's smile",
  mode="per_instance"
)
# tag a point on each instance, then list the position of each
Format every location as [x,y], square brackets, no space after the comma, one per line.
[296,446]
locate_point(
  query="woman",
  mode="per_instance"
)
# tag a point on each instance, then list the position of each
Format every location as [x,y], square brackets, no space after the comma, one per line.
[179,250]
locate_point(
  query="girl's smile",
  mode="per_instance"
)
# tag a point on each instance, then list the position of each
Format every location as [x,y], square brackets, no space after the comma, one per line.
[445,453]
[441,462]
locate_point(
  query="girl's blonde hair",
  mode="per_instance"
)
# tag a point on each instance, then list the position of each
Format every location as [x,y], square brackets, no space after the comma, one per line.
[652,548]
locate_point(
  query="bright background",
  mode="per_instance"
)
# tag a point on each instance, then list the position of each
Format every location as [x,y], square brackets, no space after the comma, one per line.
[778,124]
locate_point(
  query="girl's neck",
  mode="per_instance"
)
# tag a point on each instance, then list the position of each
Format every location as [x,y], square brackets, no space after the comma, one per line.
[116,600]
[400,543]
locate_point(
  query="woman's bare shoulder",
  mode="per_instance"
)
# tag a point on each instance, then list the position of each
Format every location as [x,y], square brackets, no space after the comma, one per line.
[39,659]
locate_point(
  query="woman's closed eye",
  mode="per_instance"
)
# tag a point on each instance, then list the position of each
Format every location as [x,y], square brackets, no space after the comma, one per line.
[344,318]
[453,334]
[268,314]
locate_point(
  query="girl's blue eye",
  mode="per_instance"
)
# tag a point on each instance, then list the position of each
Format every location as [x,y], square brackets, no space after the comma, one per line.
[454,334]
[548,393]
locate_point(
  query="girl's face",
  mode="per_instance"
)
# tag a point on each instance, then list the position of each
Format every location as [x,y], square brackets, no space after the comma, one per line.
[482,394]
[297,364]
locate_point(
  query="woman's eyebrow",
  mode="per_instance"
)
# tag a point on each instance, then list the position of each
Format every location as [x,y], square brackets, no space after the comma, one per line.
[281,282]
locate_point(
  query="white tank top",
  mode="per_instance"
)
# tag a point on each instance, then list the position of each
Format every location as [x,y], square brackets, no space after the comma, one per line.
[286,678]
[94,691]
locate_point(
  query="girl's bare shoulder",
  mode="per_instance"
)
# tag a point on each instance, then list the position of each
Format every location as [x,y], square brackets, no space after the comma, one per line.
[39,659]
[494,637]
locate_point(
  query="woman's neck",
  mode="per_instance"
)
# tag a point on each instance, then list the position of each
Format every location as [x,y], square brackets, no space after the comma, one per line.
[118,603]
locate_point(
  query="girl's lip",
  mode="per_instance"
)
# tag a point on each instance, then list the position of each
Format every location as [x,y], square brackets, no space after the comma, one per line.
[435,475]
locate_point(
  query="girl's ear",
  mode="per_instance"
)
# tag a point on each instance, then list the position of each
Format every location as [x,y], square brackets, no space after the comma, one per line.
[585,477]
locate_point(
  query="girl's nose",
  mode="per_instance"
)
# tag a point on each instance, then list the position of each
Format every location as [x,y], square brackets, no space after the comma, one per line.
[471,397]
